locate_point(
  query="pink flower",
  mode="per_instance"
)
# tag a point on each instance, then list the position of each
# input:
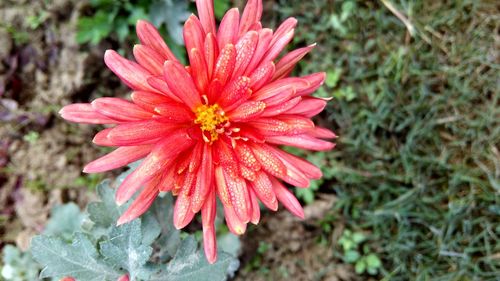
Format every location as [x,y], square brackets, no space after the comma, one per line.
[211,129]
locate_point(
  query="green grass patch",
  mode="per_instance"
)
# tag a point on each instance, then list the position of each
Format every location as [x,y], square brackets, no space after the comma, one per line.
[417,163]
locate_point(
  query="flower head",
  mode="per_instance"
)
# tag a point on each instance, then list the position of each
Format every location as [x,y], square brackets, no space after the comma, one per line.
[213,128]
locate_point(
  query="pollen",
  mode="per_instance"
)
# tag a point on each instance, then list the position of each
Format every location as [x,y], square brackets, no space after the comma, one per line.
[210,118]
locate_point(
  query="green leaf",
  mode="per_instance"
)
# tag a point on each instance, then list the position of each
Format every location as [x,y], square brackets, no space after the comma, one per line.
[306,194]
[348,7]
[358,237]
[190,264]
[372,261]
[163,212]
[351,256]
[333,77]
[125,250]
[346,93]
[106,212]
[360,266]
[138,13]
[18,266]
[172,14]
[64,221]
[122,29]
[79,260]
[220,8]
[94,29]
[229,243]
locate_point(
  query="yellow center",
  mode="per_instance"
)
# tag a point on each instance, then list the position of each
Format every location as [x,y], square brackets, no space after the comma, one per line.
[210,117]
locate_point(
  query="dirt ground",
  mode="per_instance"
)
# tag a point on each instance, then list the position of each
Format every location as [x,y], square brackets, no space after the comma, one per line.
[283,247]
[41,155]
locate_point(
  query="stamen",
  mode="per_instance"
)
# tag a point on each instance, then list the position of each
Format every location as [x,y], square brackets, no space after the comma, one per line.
[212,119]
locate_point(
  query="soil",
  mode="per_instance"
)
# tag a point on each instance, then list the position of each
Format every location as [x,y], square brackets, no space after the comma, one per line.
[41,155]
[292,250]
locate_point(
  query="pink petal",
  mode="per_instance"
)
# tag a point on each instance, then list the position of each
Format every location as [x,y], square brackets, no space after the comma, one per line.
[288,62]
[118,158]
[149,36]
[261,76]
[304,166]
[263,188]
[225,64]
[211,53]
[204,179]
[182,210]
[246,157]
[141,204]
[101,138]
[250,132]
[251,14]
[208,213]
[235,225]
[124,277]
[159,84]
[198,69]
[148,58]
[302,141]
[120,109]
[255,216]
[174,112]
[283,29]
[206,12]
[84,113]
[247,110]
[265,36]
[294,175]
[268,160]
[140,132]
[181,84]
[276,88]
[281,108]
[315,81]
[308,107]
[229,28]
[323,133]
[279,45]
[236,189]
[131,73]
[287,199]
[247,173]
[235,93]
[245,48]
[220,183]
[148,100]
[282,125]
[214,90]
[194,35]
[154,163]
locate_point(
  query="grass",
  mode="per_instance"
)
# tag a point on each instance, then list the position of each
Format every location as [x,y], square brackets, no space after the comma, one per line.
[417,163]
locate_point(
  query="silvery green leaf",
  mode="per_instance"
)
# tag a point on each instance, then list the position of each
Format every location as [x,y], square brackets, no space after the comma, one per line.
[163,211]
[189,263]
[106,212]
[64,221]
[150,228]
[80,260]
[17,265]
[124,249]
[229,243]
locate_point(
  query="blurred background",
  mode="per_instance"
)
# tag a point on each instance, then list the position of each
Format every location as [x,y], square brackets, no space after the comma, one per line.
[411,192]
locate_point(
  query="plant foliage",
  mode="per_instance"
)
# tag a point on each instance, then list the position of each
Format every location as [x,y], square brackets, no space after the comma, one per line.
[148,248]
